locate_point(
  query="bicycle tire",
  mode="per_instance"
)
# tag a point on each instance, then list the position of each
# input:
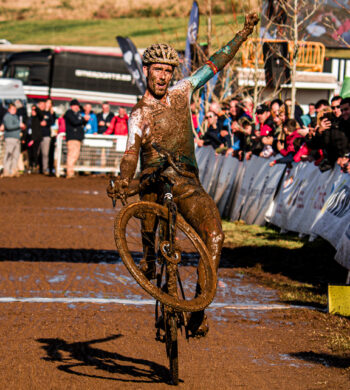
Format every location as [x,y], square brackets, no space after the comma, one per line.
[171,345]
[140,208]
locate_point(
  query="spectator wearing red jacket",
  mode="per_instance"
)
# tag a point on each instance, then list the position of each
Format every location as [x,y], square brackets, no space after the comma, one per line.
[119,124]
[292,143]
[265,122]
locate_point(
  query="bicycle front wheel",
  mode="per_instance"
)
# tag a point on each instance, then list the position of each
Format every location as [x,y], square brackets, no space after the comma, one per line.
[132,245]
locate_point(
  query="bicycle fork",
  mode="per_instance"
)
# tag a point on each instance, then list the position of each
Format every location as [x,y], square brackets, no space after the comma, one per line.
[174,255]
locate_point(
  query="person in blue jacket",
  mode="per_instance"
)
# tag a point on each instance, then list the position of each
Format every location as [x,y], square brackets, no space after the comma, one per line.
[91,126]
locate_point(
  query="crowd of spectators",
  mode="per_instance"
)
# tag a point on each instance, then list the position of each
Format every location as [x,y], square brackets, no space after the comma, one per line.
[322,135]
[30,140]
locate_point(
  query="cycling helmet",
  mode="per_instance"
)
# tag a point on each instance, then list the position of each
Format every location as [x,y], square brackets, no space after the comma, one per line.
[160,53]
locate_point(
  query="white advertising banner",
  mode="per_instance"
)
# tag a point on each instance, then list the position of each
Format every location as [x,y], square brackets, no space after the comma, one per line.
[334,218]
[252,169]
[207,168]
[277,216]
[250,203]
[295,210]
[343,249]
[202,156]
[266,194]
[322,183]
[227,182]
[215,175]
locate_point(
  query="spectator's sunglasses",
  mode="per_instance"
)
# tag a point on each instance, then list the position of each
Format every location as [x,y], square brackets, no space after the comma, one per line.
[209,116]
[334,107]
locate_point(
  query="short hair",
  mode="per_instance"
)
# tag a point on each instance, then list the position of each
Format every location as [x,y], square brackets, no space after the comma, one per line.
[321,102]
[345,100]
[278,101]
[334,98]
[291,125]
[11,105]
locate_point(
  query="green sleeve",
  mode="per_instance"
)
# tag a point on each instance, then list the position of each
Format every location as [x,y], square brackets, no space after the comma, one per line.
[223,56]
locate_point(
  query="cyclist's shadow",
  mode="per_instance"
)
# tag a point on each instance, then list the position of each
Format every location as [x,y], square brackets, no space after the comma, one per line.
[82,355]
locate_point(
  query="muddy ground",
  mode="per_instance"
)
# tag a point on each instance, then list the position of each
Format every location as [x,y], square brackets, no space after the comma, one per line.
[72,318]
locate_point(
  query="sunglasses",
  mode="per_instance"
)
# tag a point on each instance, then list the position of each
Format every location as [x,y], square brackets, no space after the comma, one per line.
[209,116]
[334,107]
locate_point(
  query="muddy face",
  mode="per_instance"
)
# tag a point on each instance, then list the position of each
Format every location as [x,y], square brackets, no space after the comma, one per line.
[158,78]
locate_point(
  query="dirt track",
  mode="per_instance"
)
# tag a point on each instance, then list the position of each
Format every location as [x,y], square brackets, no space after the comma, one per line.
[56,242]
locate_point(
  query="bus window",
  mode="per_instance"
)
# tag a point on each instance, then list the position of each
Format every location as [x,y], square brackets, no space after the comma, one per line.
[21,73]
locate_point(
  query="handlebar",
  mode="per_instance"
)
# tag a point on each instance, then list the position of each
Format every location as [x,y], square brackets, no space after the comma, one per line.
[170,157]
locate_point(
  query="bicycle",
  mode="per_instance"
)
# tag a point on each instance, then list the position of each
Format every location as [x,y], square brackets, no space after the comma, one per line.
[171,246]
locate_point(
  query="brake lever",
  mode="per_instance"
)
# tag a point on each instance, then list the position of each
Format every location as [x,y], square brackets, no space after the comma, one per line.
[111,182]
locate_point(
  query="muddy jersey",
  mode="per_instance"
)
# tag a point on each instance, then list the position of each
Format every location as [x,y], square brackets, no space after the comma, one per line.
[168,122]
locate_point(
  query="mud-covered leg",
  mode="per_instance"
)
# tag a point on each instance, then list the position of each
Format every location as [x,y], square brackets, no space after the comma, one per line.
[148,228]
[207,222]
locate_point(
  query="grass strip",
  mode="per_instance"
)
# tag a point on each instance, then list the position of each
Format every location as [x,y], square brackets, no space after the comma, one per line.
[300,270]
[102,32]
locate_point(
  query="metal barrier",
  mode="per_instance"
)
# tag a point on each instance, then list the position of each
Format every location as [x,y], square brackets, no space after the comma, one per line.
[310,55]
[99,153]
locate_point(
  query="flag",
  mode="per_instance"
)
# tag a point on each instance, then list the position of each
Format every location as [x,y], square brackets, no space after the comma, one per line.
[133,62]
[192,33]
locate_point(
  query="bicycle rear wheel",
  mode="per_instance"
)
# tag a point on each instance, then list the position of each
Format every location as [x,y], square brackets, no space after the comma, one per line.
[191,250]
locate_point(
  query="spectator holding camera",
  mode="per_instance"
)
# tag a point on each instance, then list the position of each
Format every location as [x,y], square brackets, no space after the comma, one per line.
[91,126]
[344,125]
[331,133]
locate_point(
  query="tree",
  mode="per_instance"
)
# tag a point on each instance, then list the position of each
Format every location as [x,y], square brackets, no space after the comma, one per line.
[289,20]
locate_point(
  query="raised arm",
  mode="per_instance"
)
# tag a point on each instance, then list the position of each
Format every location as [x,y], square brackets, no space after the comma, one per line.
[223,56]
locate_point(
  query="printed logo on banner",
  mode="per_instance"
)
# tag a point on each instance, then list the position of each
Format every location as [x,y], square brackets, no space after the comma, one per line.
[265,190]
[279,208]
[245,191]
[320,198]
[289,181]
[297,195]
[339,203]
[266,181]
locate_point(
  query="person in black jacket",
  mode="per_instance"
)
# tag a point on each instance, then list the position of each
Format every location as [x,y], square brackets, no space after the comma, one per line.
[216,136]
[34,138]
[104,118]
[75,123]
[331,135]
[45,126]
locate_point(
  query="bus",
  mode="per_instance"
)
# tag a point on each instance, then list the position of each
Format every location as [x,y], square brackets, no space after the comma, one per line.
[89,74]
